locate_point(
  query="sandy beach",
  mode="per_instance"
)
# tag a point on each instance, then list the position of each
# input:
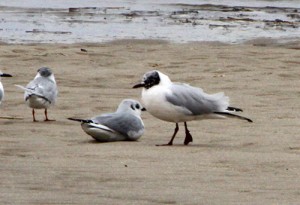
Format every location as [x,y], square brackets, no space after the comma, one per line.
[229,162]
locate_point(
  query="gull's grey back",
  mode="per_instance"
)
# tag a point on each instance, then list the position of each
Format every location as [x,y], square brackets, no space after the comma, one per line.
[195,100]
[122,122]
[43,86]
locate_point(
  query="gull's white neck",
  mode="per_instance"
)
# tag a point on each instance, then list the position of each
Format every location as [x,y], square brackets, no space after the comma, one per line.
[164,79]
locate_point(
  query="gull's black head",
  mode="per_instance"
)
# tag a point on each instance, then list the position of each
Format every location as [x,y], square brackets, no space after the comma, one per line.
[150,79]
[45,72]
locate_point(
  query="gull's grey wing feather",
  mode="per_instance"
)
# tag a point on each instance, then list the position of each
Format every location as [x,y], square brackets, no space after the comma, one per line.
[42,87]
[123,123]
[193,101]
[1,95]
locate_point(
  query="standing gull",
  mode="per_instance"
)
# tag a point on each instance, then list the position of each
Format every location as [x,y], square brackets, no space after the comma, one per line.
[41,92]
[1,86]
[124,124]
[178,102]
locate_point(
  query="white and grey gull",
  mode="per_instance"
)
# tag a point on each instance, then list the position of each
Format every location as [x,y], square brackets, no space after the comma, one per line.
[124,124]
[41,92]
[179,102]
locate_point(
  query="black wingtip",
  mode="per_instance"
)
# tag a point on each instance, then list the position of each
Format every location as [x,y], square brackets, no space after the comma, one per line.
[6,75]
[249,120]
[80,120]
[74,119]
[233,115]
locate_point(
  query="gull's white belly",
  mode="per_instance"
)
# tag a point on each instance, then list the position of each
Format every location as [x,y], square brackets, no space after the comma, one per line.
[37,103]
[155,102]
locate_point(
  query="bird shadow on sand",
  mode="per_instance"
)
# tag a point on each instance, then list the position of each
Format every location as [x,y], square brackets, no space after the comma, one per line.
[214,146]
[209,146]
[92,141]
[187,146]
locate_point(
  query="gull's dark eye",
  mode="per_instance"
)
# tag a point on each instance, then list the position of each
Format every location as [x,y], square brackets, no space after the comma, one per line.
[132,107]
[137,106]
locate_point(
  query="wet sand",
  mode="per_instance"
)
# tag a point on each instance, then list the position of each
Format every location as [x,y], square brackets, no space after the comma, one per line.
[229,162]
[224,21]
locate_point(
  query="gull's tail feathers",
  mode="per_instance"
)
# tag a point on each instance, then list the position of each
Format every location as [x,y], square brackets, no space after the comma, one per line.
[221,99]
[26,89]
[226,114]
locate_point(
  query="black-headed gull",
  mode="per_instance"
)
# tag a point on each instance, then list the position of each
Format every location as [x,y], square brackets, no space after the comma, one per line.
[178,102]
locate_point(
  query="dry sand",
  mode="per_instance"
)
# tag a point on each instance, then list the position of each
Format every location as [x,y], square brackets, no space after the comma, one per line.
[229,162]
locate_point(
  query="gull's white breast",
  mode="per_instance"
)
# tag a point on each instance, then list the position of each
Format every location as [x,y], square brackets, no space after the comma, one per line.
[156,104]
